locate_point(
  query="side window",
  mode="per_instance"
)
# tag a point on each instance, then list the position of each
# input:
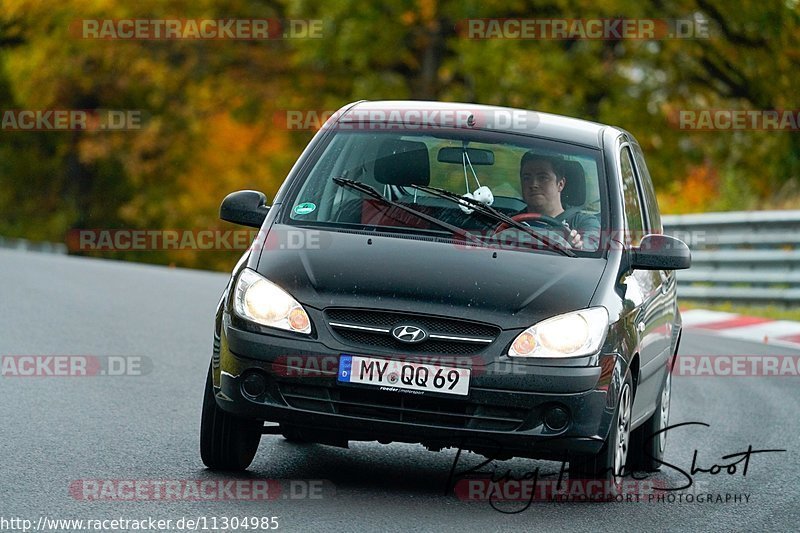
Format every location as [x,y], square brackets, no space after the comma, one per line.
[633,208]
[650,200]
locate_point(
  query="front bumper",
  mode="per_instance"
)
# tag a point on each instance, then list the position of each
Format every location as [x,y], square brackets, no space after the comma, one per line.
[506,413]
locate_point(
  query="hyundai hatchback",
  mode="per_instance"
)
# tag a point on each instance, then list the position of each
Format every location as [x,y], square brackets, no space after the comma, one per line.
[453,275]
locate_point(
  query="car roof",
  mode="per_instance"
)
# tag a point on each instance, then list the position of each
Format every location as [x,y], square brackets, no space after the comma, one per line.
[495,118]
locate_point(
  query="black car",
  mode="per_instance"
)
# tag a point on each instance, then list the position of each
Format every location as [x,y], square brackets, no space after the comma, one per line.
[403,287]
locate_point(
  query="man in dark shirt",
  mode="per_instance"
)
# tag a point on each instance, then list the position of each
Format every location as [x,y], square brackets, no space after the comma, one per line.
[542,179]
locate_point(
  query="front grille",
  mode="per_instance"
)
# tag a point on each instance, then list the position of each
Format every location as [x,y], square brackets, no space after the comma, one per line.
[430,346]
[438,412]
[471,337]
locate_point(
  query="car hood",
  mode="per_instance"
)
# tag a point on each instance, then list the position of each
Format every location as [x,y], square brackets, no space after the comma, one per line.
[511,289]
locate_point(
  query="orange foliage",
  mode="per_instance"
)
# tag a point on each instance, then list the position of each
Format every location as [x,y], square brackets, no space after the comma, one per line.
[234,156]
[694,193]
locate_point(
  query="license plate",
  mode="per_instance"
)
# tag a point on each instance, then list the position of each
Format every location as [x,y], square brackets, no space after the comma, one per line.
[393,375]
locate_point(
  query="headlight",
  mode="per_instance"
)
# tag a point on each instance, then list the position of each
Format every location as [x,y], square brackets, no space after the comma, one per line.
[568,335]
[259,300]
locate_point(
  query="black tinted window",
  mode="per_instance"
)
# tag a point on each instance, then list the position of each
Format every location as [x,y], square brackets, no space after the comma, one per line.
[650,200]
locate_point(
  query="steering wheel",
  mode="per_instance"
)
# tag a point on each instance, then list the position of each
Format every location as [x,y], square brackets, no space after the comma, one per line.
[536,218]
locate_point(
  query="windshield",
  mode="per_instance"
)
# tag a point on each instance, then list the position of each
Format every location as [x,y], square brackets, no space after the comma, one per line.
[550,190]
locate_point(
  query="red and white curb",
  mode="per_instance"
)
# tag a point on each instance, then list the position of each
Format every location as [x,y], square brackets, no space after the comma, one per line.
[755,329]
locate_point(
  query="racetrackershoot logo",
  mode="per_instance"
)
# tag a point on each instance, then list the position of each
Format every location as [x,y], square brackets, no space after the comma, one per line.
[173,29]
[737,366]
[71,119]
[72,366]
[148,490]
[593,29]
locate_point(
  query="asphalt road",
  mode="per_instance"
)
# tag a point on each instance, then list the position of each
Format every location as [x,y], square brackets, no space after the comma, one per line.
[56,431]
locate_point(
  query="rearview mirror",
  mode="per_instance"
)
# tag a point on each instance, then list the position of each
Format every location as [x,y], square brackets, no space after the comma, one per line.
[248,208]
[476,156]
[661,252]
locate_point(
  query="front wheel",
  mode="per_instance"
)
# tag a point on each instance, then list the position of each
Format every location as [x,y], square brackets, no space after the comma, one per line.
[649,440]
[608,465]
[226,442]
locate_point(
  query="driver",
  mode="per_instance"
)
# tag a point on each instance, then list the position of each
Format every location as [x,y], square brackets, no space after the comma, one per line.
[542,179]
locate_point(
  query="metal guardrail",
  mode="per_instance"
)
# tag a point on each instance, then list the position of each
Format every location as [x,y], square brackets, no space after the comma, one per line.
[33,246]
[745,257]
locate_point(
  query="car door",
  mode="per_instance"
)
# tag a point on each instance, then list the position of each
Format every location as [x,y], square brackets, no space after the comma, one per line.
[643,287]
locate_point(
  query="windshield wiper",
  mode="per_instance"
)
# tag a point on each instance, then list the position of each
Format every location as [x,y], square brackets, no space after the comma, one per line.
[370,191]
[493,213]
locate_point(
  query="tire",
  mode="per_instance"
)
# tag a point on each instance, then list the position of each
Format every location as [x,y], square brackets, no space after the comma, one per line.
[226,442]
[609,464]
[647,444]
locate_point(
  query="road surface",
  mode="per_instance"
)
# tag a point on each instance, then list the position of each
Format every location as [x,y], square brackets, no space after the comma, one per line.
[59,432]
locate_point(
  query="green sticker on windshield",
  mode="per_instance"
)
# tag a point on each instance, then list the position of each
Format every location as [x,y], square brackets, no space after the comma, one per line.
[305,208]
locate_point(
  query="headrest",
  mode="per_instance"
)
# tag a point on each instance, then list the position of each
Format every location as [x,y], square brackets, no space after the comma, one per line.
[574,193]
[403,163]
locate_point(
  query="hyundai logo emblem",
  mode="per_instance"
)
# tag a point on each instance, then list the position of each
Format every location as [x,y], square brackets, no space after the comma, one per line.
[409,334]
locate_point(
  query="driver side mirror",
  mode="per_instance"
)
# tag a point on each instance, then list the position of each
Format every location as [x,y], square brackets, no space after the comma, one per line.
[660,252]
[248,208]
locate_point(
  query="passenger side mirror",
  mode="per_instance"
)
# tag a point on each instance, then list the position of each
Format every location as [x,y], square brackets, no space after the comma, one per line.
[660,252]
[248,208]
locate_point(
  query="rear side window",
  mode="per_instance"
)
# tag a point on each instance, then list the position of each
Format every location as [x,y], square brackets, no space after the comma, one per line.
[633,208]
[650,200]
